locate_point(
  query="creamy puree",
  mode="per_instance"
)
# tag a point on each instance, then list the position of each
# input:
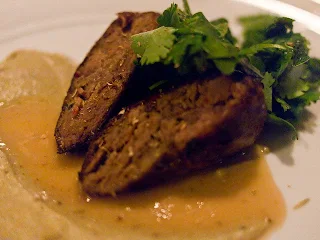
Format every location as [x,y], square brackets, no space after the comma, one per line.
[238,202]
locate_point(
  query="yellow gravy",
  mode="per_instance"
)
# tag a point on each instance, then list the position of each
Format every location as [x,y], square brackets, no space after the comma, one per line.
[238,202]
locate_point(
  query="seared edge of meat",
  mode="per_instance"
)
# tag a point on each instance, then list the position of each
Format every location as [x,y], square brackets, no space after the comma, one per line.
[99,82]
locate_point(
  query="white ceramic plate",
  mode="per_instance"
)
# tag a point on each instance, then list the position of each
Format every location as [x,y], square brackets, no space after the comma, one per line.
[72,26]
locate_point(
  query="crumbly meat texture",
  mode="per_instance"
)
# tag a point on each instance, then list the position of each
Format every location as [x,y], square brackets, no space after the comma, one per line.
[99,82]
[189,128]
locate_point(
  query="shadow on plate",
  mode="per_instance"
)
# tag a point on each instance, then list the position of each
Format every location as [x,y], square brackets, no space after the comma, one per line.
[280,140]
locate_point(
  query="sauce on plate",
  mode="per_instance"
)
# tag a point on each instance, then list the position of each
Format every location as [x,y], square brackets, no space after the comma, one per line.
[237,202]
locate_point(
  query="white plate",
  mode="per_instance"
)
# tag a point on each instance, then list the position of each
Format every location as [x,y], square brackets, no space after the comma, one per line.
[73,26]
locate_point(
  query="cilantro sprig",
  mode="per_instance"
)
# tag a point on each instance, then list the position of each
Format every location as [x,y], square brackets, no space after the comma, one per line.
[290,77]
[183,39]
[271,51]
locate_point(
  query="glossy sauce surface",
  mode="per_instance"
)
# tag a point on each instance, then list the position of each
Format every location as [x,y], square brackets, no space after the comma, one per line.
[237,202]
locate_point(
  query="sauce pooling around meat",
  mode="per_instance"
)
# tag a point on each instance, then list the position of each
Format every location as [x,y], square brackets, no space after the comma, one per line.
[238,202]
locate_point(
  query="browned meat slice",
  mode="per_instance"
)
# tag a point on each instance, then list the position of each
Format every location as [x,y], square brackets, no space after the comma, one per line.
[100,80]
[188,128]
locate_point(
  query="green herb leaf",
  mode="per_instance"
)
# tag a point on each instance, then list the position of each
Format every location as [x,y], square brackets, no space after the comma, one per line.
[283,104]
[154,45]
[172,17]
[186,7]
[189,44]
[198,24]
[280,27]
[291,85]
[261,47]
[255,28]
[226,66]
[273,119]
[314,66]
[222,26]
[157,84]
[272,48]
[252,69]
[267,82]
[309,97]
[301,49]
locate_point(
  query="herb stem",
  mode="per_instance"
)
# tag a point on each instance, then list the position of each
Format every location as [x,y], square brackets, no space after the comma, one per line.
[186,7]
[157,84]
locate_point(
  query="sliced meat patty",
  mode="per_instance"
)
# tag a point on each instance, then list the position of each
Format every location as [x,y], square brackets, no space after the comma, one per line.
[188,128]
[100,80]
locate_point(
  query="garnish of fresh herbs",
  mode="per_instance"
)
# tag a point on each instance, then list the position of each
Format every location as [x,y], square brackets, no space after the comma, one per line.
[271,52]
